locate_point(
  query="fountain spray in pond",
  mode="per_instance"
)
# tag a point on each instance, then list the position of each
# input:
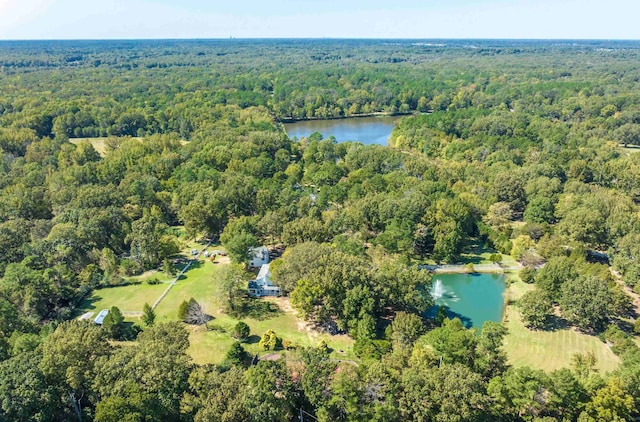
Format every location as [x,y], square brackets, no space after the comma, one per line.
[441,295]
[437,290]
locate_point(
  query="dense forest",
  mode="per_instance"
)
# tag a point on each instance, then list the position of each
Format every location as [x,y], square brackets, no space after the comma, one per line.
[527,147]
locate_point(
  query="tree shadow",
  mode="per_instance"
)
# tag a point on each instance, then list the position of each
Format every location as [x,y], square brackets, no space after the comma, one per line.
[249,307]
[88,304]
[252,339]
[466,321]
[473,249]
[130,330]
[195,263]
[555,323]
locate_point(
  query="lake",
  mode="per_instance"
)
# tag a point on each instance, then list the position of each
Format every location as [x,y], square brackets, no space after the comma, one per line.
[474,298]
[367,130]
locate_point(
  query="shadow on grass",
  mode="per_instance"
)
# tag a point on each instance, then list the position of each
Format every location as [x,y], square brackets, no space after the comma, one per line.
[194,265]
[555,323]
[249,307]
[473,251]
[252,339]
[88,304]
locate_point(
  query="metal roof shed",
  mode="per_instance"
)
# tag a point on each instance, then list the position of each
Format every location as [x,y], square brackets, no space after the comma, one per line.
[100,318]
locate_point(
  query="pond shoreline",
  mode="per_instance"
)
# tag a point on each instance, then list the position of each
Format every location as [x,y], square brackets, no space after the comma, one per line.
[464,269]
[354,116]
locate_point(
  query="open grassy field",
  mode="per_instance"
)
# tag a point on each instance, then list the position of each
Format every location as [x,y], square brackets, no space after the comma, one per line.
[631,149]
[98,143]
[197,283]
[130,298]
[475,252]
[210,346]
[548,350]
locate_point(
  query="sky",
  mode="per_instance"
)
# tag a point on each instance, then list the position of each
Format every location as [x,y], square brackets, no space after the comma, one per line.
[132,19]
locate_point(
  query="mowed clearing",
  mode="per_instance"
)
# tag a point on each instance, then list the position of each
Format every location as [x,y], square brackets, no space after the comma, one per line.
[130,298]
[210,346]
[99,143]
[549,350]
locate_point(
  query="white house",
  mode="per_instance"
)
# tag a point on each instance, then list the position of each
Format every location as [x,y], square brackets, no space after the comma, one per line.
[259,257]
[262,286]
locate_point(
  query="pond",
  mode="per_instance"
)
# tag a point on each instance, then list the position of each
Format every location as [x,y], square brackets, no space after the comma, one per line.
[367,130]
[474,298]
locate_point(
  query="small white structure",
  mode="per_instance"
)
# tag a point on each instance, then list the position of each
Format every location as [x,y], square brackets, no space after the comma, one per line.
[259,257]
[101,316]
[262,286]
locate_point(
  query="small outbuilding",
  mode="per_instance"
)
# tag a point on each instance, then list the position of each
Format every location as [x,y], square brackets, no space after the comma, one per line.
[101,316]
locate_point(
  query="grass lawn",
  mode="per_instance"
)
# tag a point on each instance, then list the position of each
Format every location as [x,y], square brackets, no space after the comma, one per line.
[548,350]
[210,346]
[129,298]
[475,252]
[98,143]
[196,283]
[630,148]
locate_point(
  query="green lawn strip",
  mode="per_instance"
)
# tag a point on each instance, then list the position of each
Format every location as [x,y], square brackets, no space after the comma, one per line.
[196,283]
[549,350]
[130,298]
[516,287]
[629,148]
[475,252]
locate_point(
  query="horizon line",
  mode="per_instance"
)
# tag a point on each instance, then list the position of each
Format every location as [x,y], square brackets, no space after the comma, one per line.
[232,38]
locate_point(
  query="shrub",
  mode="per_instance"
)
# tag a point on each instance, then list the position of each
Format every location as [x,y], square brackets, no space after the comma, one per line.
[270,341]
[130,267]
[496,258]
[148,315]
[113,323]
[182,310]
[241,331]
[528,275]
[236,355]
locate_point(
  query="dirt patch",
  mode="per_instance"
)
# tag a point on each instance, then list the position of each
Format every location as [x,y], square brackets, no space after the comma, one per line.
[222,260]
[271,356]
[303,326]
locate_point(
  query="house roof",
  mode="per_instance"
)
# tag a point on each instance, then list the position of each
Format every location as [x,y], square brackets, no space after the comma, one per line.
[263,280]
[260,251]
[264,271]
[101,316]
